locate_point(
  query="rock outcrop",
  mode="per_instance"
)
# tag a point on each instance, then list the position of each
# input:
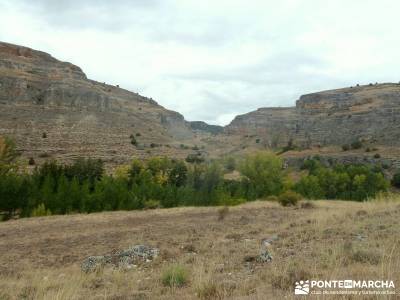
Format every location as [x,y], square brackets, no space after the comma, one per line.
[51,109]
[203,126]
[370,113]
[124,259]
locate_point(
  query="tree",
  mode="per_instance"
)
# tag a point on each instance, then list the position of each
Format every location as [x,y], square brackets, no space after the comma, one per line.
[178,174]
[12,193]
[263,174]
[309,187]
[85,169]
[8,154]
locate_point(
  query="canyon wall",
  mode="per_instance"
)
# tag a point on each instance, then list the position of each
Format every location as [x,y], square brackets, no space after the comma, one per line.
[368,113]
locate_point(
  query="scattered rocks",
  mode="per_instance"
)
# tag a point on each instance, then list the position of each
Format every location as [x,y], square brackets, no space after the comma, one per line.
[265,256]
[125,259]
[92,263]
[265,253]
[359,237]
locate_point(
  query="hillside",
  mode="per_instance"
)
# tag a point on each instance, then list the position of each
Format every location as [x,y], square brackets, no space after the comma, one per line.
[368,113]
[53,110]
[329,240]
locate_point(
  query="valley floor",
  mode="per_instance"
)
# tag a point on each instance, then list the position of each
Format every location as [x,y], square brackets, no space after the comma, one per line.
[40,257]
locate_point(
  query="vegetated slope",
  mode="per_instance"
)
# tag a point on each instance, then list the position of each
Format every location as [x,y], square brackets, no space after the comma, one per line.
[329,240]
[53,110]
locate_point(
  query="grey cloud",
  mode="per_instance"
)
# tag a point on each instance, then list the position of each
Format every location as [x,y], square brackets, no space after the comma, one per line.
[283,67]
[197,57]
[92,14]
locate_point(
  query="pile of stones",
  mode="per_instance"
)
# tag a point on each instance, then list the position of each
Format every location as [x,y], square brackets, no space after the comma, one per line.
[124,259]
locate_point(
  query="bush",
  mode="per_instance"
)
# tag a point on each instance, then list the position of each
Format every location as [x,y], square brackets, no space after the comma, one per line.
[396,180]
[289,198]
[152,204]
[230,164]
[345,147]
[31,161]
[41,211]
[174,276]
[377,156]
[356,145]
[194,158]
[133,140]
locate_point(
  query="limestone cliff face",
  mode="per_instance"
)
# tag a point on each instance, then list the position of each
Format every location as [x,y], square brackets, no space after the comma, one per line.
[334,117]
[51,108]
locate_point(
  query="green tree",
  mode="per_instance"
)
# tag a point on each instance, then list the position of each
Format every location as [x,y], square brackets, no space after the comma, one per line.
[309,187]
[178,174]
[263,174]
[8,154]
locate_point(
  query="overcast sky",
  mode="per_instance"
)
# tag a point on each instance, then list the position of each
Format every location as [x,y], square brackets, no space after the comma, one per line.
[212,60]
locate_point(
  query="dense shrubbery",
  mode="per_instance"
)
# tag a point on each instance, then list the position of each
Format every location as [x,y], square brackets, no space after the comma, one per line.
[352,182]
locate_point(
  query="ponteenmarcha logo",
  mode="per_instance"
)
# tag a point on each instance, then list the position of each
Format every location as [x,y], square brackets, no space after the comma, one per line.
[355,287]
[302,287]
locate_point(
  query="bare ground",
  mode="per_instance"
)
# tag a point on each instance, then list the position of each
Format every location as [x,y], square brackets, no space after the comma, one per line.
[40,257]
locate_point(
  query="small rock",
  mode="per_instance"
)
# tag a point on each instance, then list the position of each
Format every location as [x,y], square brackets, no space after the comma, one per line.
[267,242]
[265,256]
[360,237]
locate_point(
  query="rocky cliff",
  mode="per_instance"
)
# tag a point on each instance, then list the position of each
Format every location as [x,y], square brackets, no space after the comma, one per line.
[368,113]
[51,109]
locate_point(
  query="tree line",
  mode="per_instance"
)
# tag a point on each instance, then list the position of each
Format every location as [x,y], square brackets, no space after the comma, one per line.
[84,186]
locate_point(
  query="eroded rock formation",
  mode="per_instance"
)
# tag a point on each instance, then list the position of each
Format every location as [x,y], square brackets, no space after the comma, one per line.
[53,110]
[336,117]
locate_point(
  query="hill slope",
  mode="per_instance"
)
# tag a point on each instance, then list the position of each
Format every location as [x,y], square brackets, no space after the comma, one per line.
[52,109]
[334,240]
[335,117]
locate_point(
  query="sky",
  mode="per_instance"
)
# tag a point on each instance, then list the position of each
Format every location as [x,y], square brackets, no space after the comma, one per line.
[213,60]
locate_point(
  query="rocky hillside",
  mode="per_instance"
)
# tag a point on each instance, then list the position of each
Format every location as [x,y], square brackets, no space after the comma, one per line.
[368,113]
[52,109]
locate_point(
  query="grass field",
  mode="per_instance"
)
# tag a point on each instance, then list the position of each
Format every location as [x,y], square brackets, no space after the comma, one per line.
[40,257]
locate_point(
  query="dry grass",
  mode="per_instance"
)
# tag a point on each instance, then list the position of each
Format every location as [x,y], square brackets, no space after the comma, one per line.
[40,257]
